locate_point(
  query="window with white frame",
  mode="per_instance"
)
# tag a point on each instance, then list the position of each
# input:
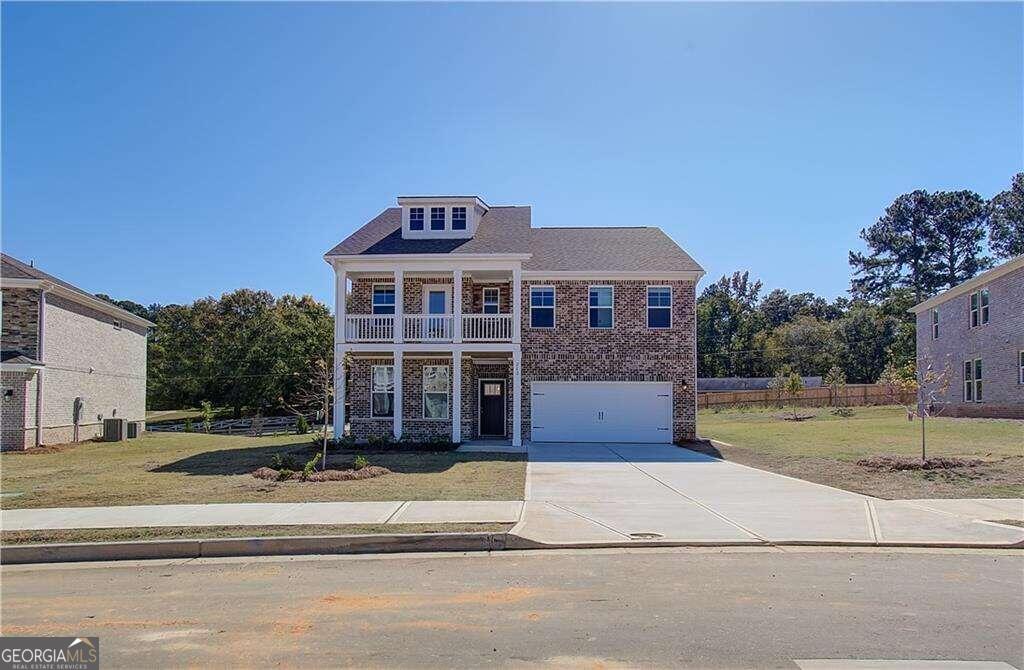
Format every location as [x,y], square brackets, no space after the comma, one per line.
[659,307]
[972,380]
[542,307]
[382,391]
[117,324]
[437,218]
[492,300]
[383,299]
[601,309]
[436,385]
[415,218]
[935,323]
[979,308]
[458,218]
[1020,367]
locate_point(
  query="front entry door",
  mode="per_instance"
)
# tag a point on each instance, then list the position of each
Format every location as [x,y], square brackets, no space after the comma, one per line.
[492,407]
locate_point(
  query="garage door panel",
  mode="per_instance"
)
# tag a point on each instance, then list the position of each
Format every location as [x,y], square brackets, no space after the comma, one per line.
[601,412]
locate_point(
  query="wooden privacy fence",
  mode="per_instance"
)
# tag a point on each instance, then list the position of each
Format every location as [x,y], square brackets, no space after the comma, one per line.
[266,425]
[851,395]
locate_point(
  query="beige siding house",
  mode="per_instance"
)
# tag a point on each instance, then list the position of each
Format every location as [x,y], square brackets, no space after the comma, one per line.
[70,360]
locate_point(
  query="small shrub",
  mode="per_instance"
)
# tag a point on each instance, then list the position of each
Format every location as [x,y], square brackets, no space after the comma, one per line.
[309,468]
[361,462]
[843,411]
[188,426]
[345,441]
[302,426]
[206,408]
[380,441]
[285,474]
[282,462]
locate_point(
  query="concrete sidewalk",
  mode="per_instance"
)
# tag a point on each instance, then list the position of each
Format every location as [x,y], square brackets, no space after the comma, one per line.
[586,494]
[265,514]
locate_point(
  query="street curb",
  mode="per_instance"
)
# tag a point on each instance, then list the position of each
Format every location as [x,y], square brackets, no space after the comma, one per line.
[388,544]
[250,546]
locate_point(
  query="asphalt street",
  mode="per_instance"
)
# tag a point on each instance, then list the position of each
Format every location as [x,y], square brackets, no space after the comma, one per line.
[756,607]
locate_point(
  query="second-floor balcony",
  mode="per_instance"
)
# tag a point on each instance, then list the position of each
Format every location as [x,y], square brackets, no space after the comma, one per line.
[429,328]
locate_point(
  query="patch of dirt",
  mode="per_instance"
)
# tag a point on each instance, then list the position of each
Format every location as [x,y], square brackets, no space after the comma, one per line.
[368,472]
[796,416]
[889,462]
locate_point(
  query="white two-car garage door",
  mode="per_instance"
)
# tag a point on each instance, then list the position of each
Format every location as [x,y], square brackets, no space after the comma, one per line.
[601,412]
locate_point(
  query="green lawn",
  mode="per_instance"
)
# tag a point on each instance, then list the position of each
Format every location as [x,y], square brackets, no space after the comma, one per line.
[826,447]
[167,468]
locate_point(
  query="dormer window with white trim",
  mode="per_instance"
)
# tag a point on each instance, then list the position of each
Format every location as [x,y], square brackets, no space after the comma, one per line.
[458,218]
[415,218]
[441,217]
[437,218]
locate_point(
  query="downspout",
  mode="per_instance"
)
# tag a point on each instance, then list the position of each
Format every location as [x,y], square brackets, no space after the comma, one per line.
[41,371]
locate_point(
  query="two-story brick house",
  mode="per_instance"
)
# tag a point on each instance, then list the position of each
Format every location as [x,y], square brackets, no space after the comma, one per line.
[69,360]
[973,336]
[465,321]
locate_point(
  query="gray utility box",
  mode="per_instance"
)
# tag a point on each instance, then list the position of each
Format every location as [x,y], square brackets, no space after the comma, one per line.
[135,429]
[114,430]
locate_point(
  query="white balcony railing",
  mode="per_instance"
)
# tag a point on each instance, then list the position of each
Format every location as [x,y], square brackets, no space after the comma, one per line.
[487,327]
[428,327]
[369,328]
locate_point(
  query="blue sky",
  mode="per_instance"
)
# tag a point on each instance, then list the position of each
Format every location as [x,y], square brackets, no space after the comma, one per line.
[166,152]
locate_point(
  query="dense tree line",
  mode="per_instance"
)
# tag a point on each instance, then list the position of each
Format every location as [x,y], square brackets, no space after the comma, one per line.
[246,350]
[922,244]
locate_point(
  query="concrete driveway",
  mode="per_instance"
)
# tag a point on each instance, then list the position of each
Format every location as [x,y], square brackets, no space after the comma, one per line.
[592,493]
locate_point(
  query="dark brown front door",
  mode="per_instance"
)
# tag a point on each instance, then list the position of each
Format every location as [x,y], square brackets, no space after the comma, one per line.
[492,407]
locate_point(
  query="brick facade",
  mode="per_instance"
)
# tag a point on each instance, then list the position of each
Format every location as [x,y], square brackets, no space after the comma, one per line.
[572,351]
[86,355]
[997,343]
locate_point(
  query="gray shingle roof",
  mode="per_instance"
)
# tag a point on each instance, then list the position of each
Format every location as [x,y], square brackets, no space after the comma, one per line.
[507,230]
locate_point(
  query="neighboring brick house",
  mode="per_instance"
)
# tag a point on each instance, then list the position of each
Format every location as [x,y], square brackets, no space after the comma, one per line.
[69,358]
[976,332]
[513,332]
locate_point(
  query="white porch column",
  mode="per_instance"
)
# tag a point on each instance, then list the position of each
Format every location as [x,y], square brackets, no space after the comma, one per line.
[457,306]
[340,378]
[340,303]
[517,304]
[517,398]
[397,430]
[457,396]
[399,310]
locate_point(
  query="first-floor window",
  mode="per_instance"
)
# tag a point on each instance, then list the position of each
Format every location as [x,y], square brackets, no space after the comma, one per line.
[436,384]
[972,380]
[382,392]
[601,307]
[659,307]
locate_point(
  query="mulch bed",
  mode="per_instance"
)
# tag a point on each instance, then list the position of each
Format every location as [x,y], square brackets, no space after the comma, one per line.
[884,462]
[367,472]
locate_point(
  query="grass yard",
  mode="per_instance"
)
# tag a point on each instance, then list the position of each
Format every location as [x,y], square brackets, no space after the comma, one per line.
[825,449]
[168,468]
[207,532]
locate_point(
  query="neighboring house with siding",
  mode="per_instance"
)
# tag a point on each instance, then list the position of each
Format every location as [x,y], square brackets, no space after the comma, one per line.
[69,358]
[976,329]
[464,321]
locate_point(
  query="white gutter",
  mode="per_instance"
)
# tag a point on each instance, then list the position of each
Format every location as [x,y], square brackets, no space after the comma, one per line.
[40,333]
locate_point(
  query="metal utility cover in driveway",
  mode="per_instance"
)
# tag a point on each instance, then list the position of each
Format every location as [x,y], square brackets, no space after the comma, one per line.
[601,412]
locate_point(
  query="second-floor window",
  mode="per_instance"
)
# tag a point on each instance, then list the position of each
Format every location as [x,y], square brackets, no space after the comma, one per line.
[601,310]
[659,307]
[437,218]
[383,299]
[542,307]
[415,218]
[458,218]
[492,299]
[979,307]
[972,380]
[382,391]
[935,324]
